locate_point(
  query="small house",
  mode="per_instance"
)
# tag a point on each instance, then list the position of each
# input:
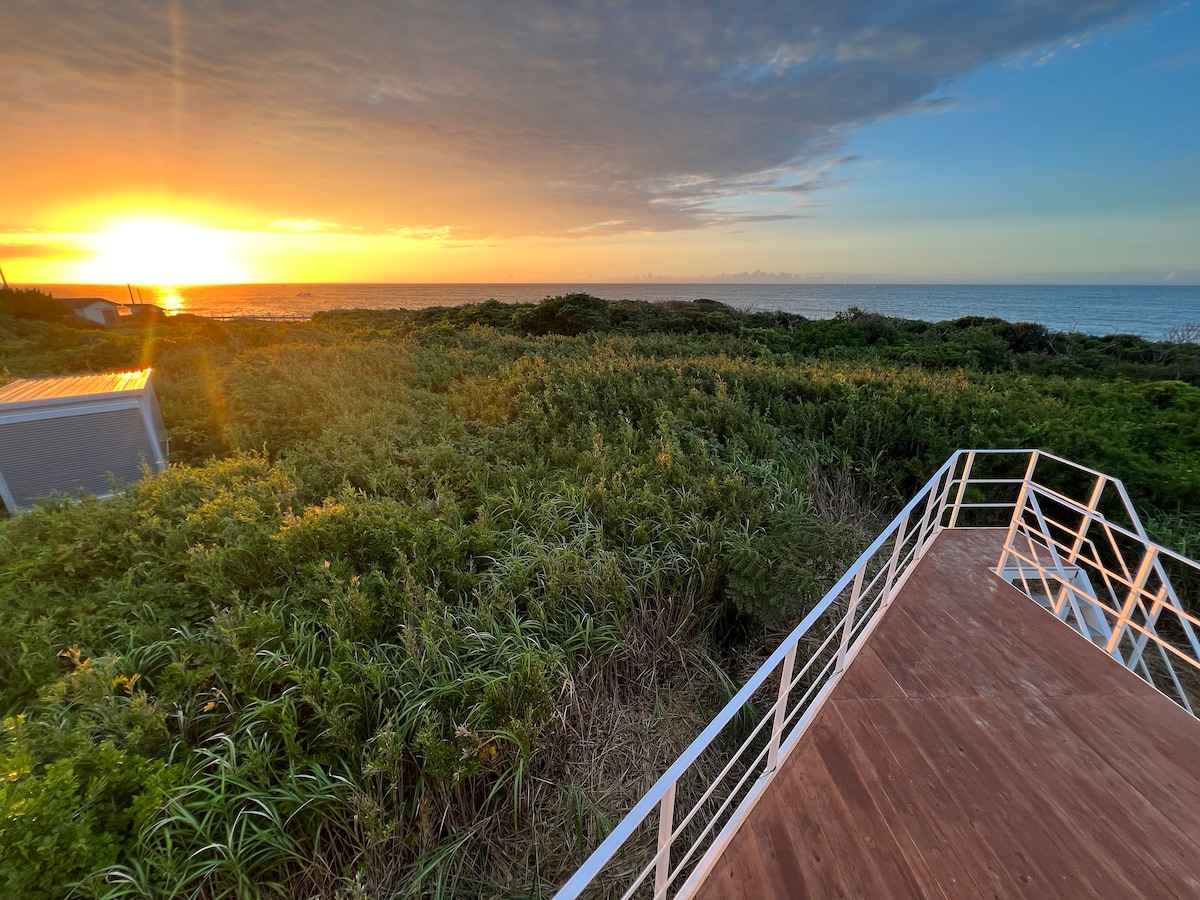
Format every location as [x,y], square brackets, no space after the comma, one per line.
[149,309]
[94,309]
[92,433]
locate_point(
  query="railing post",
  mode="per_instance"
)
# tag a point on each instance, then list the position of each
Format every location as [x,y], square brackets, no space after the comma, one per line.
[785,689]
[1159,570]
[1166,596]
[1070,597]
[935,506]
[962,489]
[1150,625]
[848,628]
[666,823]
[1126,614]
[885,596]
[1089,517]
[1018,511]
[1081,533]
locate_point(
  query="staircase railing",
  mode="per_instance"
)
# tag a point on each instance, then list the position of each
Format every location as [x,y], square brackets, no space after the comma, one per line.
[1057,549]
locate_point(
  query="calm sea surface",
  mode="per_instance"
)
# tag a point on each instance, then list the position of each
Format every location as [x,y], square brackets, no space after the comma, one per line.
[1102,309]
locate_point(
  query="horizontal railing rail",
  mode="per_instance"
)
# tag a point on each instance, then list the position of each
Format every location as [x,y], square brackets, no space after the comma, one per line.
[667,844]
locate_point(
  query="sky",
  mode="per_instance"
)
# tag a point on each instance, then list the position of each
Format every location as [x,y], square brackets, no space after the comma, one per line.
[554,141]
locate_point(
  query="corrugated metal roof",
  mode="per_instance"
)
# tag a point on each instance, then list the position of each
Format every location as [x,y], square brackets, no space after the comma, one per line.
[73,386]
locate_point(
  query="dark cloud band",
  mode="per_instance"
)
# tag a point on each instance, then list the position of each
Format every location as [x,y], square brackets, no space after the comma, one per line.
[499,119]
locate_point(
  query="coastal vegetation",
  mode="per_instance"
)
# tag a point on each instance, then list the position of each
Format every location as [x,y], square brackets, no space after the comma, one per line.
[427,599]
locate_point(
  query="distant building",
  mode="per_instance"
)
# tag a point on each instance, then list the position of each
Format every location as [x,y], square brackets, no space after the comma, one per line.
[146,309]
[92,433]
[95,309]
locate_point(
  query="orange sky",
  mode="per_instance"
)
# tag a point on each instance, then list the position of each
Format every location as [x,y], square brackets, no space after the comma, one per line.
[165,143]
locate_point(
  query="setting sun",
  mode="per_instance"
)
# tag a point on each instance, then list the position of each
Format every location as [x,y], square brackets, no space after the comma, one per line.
[162,252]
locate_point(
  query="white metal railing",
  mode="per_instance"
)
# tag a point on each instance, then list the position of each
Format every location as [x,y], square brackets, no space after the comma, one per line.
[1107,579]
[1055,550]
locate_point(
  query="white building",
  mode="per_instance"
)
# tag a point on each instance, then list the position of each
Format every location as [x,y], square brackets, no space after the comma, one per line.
[94,309]
[92,433]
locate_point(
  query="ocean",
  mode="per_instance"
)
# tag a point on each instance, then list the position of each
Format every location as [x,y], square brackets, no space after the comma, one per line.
[1149,311]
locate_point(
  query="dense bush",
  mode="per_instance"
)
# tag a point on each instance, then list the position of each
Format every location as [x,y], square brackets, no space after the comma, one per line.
[31,303]
[398,617]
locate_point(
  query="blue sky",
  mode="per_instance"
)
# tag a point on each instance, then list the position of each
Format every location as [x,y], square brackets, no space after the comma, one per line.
[1097,138]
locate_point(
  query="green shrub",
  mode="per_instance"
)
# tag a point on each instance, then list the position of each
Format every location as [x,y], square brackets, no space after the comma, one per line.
[67,818]
[570,315]
[31,303]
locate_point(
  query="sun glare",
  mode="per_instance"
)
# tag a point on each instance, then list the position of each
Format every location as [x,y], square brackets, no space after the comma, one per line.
[170,300]
[162,252]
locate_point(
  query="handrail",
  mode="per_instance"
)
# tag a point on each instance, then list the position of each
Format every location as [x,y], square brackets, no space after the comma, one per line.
[661,795]
[844,618]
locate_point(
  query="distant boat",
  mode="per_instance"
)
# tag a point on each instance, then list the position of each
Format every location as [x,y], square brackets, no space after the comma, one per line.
[304,294]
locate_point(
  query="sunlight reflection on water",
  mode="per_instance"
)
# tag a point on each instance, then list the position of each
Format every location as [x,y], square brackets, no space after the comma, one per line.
[170,300]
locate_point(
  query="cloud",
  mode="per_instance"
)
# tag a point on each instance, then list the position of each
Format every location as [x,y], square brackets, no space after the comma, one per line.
[307,226]
[498,119]
[1179,61]
[423,232]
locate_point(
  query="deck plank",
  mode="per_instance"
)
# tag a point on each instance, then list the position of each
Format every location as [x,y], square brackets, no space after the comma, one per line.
[802,853]
[934,849]
[932,806]
[977,747]
[1034,738]
[869,677]
[783,838]
[1008,825]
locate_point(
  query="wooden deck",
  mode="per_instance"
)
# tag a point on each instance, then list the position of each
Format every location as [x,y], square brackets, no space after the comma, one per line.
[977,747]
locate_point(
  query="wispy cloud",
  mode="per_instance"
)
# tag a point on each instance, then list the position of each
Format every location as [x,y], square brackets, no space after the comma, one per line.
[1180,61]
[498,119]
[307,226]
[423,232]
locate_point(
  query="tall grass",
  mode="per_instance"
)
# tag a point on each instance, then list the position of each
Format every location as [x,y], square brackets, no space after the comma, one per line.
[433,597]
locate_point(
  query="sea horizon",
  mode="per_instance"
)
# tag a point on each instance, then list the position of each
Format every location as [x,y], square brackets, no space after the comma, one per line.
[1147,310]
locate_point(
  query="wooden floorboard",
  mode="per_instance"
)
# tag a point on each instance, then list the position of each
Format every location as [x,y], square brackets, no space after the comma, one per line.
[916,800]
[977,747]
